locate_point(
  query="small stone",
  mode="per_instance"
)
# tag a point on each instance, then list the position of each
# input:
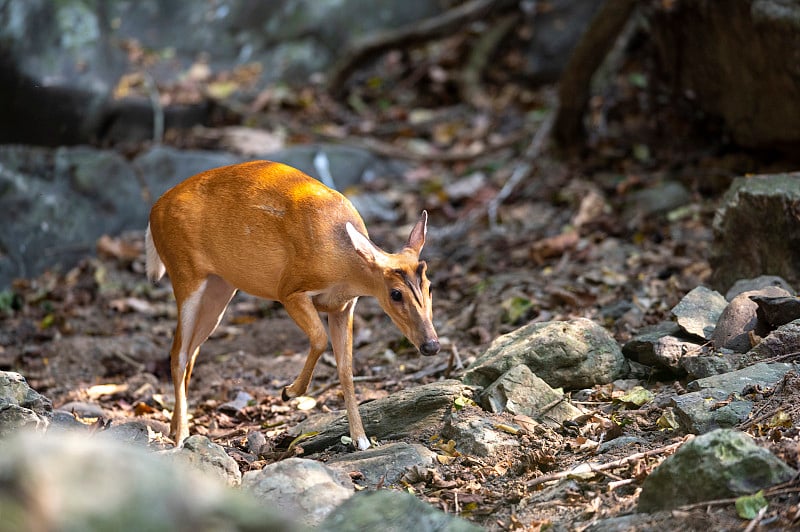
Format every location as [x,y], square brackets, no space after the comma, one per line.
[699,310]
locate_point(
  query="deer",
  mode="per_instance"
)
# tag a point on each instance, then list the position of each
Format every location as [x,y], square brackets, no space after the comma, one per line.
[272,231]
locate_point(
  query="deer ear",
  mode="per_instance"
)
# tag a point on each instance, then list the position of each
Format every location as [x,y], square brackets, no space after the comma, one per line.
[417,237]
[364,247]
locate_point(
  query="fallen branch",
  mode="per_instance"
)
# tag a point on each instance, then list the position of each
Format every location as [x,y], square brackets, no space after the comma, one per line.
[522,169]
[610,465]
[434,27]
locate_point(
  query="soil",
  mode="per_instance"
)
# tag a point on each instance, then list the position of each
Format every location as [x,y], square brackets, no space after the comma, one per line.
[71,335]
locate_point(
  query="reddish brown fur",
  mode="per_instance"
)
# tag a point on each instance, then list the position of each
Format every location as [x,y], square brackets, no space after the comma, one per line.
[272,231]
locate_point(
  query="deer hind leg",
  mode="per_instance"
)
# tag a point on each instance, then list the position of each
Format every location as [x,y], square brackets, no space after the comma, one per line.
[301,309]
[199,313]
[340,324]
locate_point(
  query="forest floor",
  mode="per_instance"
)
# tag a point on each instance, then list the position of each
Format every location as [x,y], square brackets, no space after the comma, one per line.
[573,239]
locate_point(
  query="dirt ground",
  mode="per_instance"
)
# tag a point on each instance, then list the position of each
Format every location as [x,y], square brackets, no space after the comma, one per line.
[101,333]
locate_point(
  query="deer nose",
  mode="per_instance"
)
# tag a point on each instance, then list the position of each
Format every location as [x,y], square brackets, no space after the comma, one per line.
[431,347]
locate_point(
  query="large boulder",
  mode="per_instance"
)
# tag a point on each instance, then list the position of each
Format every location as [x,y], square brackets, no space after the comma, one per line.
[739,69]
[62,63]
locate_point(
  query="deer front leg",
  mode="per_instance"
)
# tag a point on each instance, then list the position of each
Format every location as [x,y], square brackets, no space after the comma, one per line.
[340,324]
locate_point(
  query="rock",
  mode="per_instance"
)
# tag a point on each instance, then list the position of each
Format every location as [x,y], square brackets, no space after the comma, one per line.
[739,319]
[570,354]
[777,310]
[304,489]
[78,66]
[256,442]
[14,390]
[391,511]
[711,364]
[130,432]
[781,342]
[475,433]
[83,409]
[21,407]
[78,483]
[238,403]
[662,347]
[55,204]
[519,391]
[755,230]
[761,374]
[721,464]
[708,409]
[730,77]
[757,283]
[208,457]
[657,200]
[14,418]
[698,311]
[406,413]
[384,465]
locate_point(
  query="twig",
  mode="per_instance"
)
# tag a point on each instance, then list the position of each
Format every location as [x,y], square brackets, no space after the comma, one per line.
[610,465]
[756,520]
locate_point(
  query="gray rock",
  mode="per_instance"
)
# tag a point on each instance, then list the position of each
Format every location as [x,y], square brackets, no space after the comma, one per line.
[208,457]
[83,409]
[711,364]
[570,354]
[55,204]
[520,391]
[131,432]
[740,318]
[384,465]
[656,200]
[391,511]
[780,342]
[721,464]
[762,374]
[777,310]
[80,57]
[304,489]
[755,230]
[21,407]
[256,442]
[72,483]
[757,283]
[475,434]
[698,311]
[14,390]
[699,412]
[406,413]
[14,418]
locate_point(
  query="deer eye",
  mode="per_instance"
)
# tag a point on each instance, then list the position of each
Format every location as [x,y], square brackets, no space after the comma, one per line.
[396,295]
